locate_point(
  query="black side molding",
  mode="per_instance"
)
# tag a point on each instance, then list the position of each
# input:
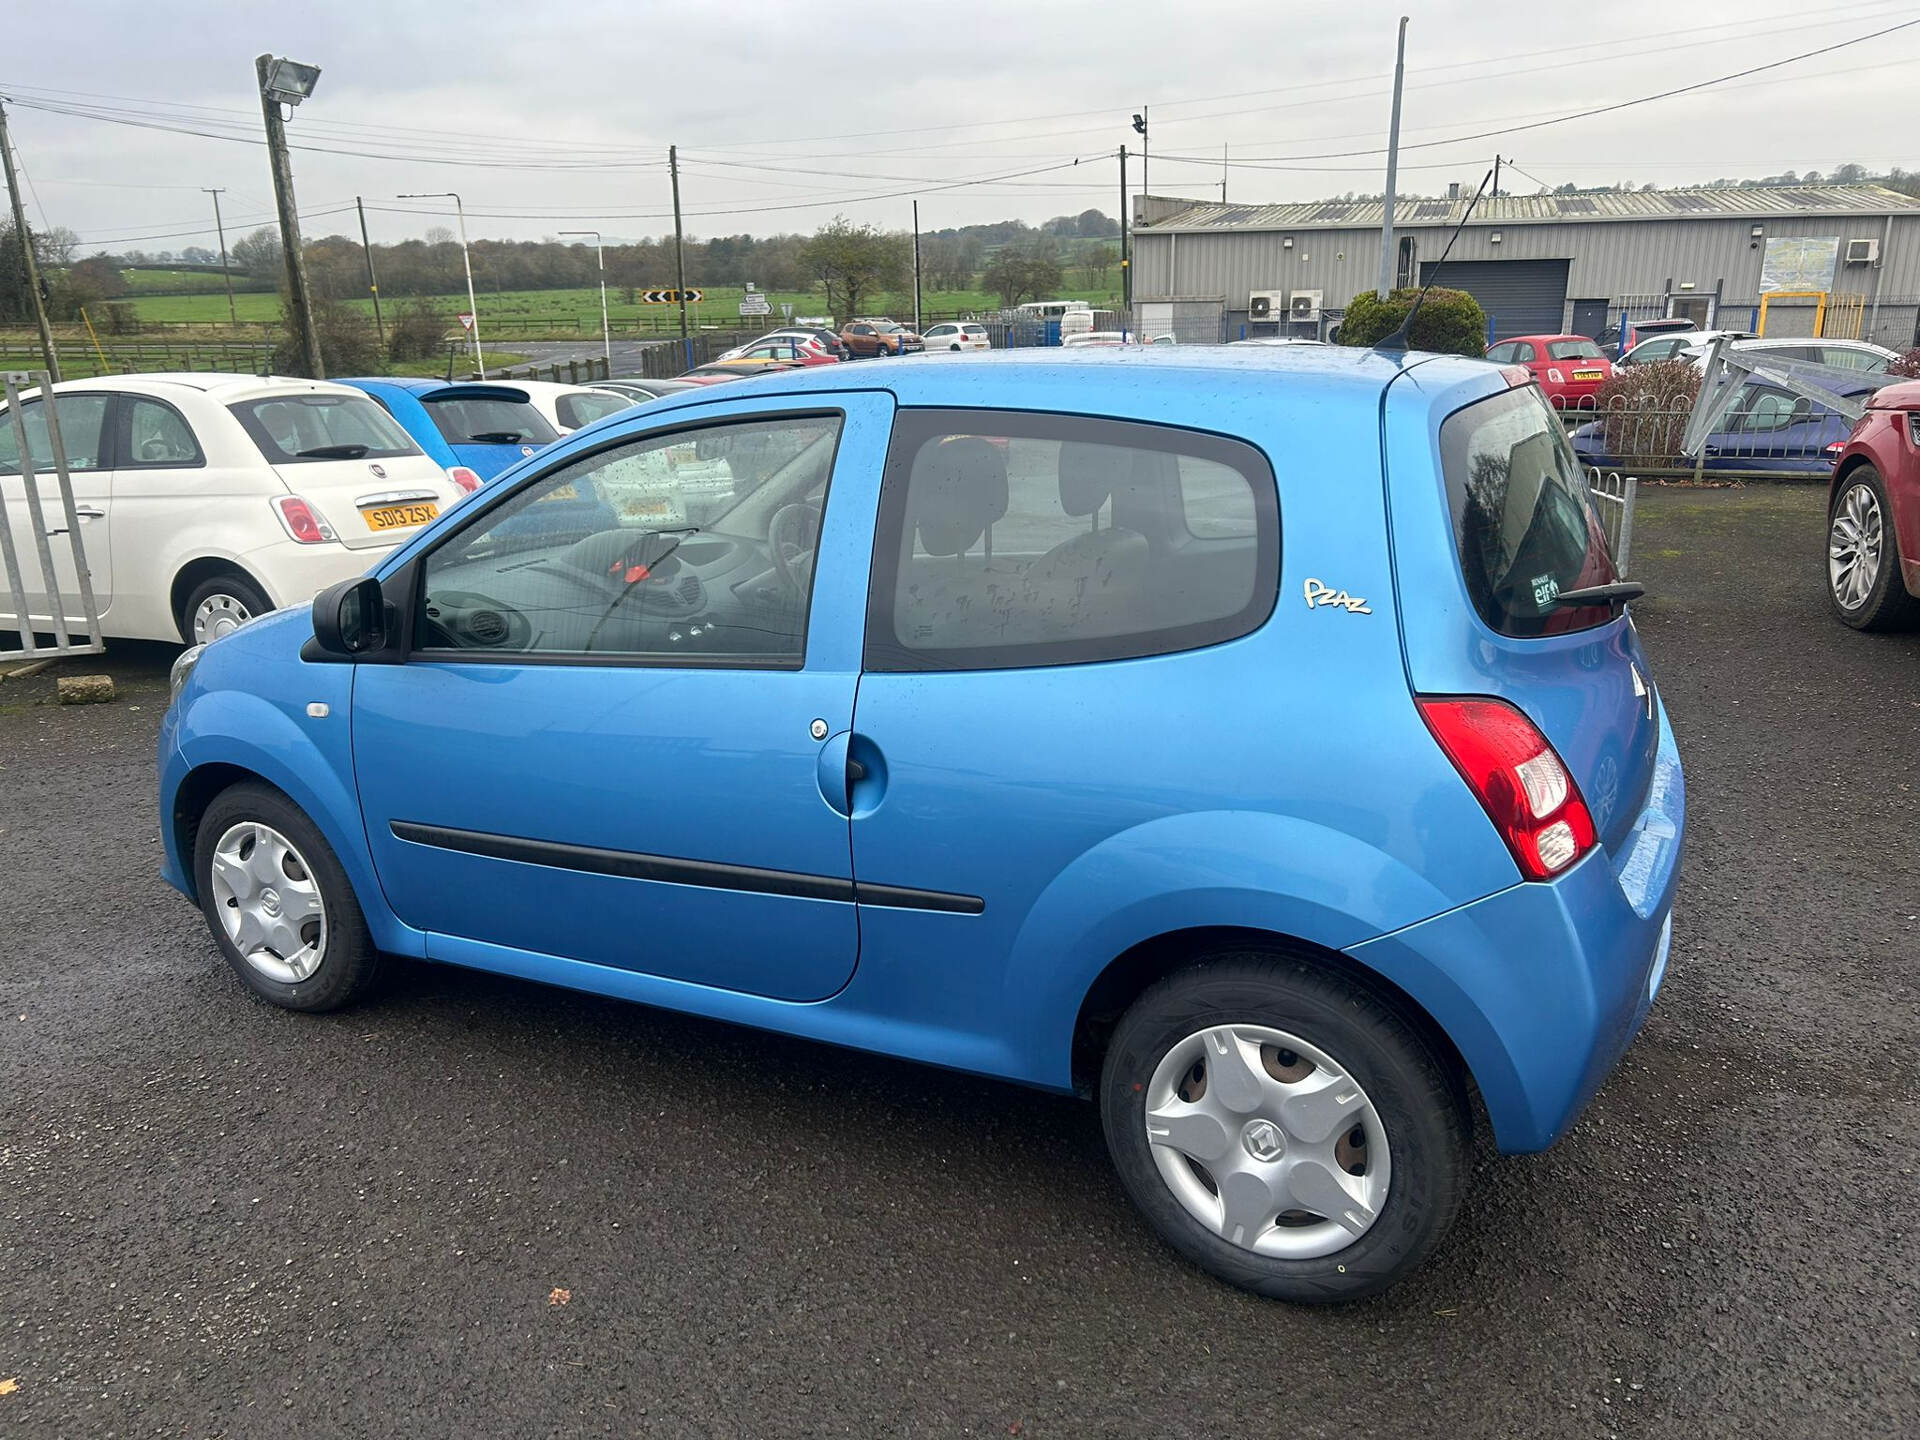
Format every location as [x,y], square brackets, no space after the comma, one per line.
[671,870]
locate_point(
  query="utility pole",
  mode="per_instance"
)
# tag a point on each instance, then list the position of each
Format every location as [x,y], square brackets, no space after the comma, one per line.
[373,281]
[916,267]
[606,327]
[1223,173]
[679,252]
[1140,129]
[466,260]
[270,72]
[233,315]
[1126,270]
[26,250]
[1393,165]
[1496,177]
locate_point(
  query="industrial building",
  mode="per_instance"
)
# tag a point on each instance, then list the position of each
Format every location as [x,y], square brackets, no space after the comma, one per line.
[1843,260]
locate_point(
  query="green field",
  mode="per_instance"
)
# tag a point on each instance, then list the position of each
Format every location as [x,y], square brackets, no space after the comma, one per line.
[141,282]
[566,313]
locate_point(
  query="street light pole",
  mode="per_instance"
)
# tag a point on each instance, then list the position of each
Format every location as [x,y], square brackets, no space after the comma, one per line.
[466,260]
[606,330]
[285,82]
[233,315]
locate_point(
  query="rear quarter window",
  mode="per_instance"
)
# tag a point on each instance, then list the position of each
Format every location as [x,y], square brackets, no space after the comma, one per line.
[578,410]
[1524,520]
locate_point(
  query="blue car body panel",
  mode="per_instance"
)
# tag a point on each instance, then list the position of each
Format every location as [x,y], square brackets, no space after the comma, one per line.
[402,399]
[1282,782]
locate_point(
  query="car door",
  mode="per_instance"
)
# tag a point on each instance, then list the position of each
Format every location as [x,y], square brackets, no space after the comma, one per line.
[604,743]
[1050,622]
[84,431]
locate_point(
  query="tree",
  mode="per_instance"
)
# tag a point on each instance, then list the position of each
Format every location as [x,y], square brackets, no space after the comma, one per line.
[97,278]
[259,253]
[416,332]
[1450,322]
[1025,271]
[851,261]
[1101,260]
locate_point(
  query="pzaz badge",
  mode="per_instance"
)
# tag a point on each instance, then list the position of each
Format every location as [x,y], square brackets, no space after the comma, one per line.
[1321,596]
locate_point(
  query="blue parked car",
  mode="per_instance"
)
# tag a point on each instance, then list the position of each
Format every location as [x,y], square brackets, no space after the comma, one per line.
[1766,428]
[1252,741]
[479,427]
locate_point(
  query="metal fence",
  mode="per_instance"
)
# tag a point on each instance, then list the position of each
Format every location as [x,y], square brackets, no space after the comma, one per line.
[53,594]
[1767,434]
[1615,494]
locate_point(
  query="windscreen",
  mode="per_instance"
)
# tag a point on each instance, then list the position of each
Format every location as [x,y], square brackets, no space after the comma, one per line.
[1523,516]
[487,420]
[290,429]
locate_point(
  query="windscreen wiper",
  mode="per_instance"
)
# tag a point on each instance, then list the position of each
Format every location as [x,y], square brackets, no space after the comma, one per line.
[332,452]
[1618,593]
[497,437]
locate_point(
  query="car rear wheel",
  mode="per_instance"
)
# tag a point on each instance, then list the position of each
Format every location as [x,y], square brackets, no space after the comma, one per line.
[1864,583]
[1287,1132]
[278,903]
[220,606]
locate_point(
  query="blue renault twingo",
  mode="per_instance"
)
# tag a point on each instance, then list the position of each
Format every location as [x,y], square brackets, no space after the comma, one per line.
[1254,741]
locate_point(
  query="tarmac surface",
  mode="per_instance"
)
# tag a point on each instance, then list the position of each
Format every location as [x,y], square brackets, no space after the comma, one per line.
[475,1206]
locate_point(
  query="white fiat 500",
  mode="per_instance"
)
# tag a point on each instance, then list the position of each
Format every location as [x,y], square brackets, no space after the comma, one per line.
[206,500]
[568,407]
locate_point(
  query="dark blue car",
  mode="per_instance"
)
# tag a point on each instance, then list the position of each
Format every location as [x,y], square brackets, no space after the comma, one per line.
[482,427]
[1767,428]
[1253,741]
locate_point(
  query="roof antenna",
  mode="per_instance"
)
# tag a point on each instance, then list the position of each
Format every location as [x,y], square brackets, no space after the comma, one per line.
[1398,339]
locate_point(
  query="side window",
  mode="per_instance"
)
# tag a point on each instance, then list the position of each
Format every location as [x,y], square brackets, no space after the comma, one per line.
[1769,410]
[1010,539]
[82,420]
[1523,353]
[1502,353]
[1851,359]
[157,436]
[693,547]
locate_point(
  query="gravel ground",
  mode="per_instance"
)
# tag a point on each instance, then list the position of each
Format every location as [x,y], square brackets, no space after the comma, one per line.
[480,1207]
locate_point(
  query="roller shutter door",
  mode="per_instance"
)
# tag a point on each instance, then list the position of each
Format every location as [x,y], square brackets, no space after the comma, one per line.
[1521,297]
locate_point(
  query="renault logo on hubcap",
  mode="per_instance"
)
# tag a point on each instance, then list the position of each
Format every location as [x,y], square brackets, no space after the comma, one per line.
[1263,1140]
[270,901]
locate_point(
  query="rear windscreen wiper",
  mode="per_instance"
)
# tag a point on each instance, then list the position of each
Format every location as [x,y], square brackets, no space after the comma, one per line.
[497,437]
[333,452]
[1618,593]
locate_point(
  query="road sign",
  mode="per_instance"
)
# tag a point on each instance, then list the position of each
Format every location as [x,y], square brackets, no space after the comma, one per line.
[671,297]
[466,320]
[756,304]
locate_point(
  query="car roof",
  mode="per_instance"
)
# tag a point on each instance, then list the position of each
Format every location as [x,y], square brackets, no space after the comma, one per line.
[1101,377]
[425,389]
[1514,339]
[552,388]
[226,388]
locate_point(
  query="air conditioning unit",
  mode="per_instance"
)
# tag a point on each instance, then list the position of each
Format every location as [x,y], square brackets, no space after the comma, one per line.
[1863,252]
[1304,305]
[1266,304]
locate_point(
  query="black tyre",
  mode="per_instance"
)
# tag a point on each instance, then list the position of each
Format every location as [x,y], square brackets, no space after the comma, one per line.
[220,605]
[1283,1129]
[1864,582]
[278,903]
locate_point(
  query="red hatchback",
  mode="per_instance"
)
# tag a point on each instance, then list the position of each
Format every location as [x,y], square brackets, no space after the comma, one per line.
[1873,515]
[1569,368]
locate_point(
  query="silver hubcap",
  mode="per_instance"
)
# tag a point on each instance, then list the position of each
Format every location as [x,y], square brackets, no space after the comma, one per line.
[219,615]
[268,902]
[1267,1142]
[1854,545]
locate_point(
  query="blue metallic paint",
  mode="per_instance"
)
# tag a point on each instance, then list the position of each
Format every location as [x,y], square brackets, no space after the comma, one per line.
[402,401]
[1282,782]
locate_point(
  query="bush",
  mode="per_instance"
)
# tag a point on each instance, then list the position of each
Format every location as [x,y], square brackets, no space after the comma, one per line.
[1907,366]
[417,332]
[348,345]
[117,317]
[1451,322]
[1645,410]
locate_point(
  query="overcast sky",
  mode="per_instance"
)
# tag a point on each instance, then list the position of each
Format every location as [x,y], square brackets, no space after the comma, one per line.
[557,118]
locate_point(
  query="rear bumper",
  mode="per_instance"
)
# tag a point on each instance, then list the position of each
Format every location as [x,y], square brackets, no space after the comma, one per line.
[293,574]
[1543,986]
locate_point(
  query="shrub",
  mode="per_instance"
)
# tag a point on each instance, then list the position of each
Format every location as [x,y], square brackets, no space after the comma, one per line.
[348,345]
[1907,366]
[417,332]
[1645,410]
[117,317]
[1451,322]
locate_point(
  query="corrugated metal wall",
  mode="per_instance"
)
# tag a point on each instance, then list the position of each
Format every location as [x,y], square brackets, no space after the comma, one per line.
[1608,259]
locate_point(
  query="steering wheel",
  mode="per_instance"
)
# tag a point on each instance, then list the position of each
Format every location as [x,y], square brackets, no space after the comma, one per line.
[155,448]
[792,538]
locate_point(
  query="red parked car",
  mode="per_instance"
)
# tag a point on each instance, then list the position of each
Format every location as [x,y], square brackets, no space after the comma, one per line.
[1570,368]
[1873,515]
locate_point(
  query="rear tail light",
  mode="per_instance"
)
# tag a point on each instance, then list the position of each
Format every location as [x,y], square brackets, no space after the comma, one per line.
[1553,374]
[1518,780]
[1516,375]
[466,480]
[301,521]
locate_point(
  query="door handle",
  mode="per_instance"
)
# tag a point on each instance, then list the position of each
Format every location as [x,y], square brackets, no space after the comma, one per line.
[866,776]
[89,512]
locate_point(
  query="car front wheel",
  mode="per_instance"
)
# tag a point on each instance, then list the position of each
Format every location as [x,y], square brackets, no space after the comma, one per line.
[1864,583]
[1284,1130]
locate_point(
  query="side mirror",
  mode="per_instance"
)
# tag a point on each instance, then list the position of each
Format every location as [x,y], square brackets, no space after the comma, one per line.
[350,619]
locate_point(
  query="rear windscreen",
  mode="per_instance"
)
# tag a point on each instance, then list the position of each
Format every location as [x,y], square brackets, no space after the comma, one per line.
[1523,516]
[487,420]
[290,429]
[1572,350]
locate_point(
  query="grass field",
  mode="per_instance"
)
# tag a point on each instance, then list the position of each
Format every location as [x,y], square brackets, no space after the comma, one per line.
[565,313]
[141,282]
[79,361]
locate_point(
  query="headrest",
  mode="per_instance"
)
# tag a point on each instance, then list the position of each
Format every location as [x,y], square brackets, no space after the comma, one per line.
[1088,474]
[958,488]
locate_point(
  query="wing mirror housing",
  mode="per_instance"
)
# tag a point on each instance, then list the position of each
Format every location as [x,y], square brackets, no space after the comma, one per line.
[351,621]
